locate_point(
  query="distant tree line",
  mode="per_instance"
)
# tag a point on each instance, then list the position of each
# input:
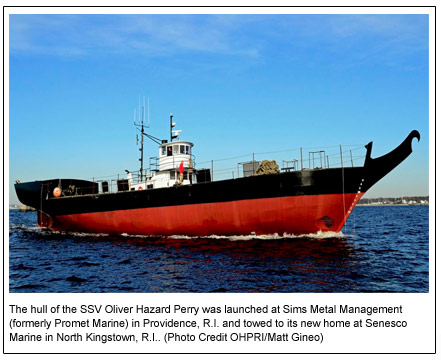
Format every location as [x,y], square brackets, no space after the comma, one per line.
[395,200]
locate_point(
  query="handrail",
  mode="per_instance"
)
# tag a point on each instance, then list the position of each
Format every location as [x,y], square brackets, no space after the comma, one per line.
[345,157]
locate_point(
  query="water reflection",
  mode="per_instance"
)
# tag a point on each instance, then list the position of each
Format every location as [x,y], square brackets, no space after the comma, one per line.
[288,264]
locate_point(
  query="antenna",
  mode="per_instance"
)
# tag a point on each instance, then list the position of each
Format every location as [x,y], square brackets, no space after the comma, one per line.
[148,112]
[140,126]
[134,123]
[143,109]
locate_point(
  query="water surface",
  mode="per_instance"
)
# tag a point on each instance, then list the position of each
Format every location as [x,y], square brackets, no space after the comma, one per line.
[381,249]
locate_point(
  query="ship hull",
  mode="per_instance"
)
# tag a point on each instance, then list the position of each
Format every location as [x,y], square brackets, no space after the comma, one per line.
[300,202]
[284,215]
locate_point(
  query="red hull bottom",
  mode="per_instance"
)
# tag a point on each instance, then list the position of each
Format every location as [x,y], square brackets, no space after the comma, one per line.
[290,215]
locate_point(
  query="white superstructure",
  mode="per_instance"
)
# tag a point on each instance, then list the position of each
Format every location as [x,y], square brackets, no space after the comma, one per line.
[170,157]
[171,154]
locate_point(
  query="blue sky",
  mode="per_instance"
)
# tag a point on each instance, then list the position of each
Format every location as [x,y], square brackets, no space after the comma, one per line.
[236,84]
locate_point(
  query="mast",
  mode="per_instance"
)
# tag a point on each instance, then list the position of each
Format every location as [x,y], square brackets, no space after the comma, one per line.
[141,128]
[171,127]
[142,138]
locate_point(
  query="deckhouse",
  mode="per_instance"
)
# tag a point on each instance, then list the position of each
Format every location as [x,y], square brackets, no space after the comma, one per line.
[171,155]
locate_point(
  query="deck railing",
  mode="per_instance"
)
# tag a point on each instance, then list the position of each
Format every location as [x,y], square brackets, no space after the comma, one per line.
[245,165]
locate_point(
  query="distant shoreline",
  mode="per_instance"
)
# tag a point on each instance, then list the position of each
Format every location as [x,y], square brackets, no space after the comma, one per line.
[16,208]
[392,205]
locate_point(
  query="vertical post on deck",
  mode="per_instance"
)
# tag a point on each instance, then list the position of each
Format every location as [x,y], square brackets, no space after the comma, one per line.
[212,174]
[341,157]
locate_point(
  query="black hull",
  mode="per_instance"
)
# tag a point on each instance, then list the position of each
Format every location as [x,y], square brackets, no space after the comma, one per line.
[314,182]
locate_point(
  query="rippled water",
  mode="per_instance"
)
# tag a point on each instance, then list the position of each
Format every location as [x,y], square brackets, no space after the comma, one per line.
[382,249]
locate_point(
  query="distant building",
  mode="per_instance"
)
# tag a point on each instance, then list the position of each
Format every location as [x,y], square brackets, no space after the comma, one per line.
[405,200]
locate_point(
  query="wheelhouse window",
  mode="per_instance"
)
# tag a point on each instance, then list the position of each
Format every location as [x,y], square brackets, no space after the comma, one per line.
[163,150]
[175,149]
[182,149]
[187,149]
[169,151]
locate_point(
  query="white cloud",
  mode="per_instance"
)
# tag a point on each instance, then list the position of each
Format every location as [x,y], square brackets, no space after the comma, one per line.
[383,39]
[152,35]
